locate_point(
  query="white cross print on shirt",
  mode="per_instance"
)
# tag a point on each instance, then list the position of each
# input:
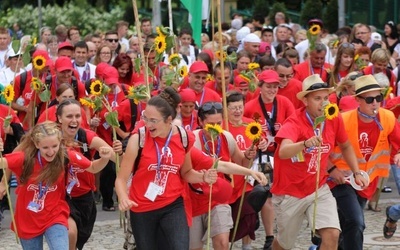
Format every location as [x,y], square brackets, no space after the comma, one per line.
[312,165]
[36,199]
[166,167]
[72,174]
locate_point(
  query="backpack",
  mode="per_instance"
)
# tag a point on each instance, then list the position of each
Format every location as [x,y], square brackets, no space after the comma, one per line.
[142,137]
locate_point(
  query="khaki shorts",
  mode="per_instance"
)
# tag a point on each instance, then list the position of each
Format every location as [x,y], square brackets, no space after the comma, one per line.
[221,222]
[291,211]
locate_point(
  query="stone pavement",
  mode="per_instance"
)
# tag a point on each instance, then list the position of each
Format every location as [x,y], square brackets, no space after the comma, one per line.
[108,234]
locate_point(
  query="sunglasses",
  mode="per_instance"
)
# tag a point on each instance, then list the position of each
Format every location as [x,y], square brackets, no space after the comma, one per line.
[210,106]
[347,45]
[316,86]
[112,40]
[353,77]
[370,99]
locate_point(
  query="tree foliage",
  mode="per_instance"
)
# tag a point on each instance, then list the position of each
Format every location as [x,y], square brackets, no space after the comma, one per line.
[311,9]
[277,7]
[331,18]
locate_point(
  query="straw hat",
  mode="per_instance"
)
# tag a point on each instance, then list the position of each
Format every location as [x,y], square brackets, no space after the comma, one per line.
[311,84]
[365,84]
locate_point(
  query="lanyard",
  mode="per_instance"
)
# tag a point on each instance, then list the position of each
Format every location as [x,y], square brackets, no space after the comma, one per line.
[269,121]
[114,103]
[164,151]
[42,191]
[202,97]
[86,73]
[317,131]
[191,122]
[371,117]
[208,151]
[312,70]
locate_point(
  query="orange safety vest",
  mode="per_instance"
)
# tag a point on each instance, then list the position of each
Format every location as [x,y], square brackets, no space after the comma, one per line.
[379,161]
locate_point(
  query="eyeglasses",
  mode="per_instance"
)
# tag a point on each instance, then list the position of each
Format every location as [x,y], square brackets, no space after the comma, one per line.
[211,105]
[370,99]
[316,86]
[286,76]
[150,121]
[112,40]
[234,108]
[347,45]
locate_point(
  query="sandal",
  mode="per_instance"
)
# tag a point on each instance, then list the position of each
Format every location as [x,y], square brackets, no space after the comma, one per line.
[388,232]
[372,207]
[109,209]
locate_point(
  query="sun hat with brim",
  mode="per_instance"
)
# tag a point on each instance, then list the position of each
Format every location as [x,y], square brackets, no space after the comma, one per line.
[311,84]
[366,84]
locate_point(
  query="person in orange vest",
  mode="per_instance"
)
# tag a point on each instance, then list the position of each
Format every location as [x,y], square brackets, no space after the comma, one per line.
[372,131]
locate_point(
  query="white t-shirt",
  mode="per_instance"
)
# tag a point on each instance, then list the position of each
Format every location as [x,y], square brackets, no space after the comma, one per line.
[302,47]
[7,76]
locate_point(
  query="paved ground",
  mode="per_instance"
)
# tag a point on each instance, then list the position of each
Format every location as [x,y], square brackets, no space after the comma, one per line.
[108,234]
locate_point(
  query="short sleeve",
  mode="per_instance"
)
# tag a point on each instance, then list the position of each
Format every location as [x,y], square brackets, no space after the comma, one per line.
[78,160]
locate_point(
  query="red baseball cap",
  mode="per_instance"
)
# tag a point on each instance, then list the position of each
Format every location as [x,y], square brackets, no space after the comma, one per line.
[198,67]
[100,69]
[65,45]
[111,75]
[241,81]
[63,63]
[44,54]
[268,76]
[187,95]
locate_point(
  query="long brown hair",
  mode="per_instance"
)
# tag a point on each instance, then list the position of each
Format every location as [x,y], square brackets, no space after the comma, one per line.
[52,171]
[345,48]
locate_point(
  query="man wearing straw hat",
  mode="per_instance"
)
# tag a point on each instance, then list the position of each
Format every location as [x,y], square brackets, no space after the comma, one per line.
[371,130]
[301,161]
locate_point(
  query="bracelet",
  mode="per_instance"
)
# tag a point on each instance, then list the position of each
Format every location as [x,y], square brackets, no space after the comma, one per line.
[331,169]
[304,143]
[357,173]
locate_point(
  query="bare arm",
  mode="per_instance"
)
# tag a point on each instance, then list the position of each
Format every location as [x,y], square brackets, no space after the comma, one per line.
[351,160]
[232,168]
[192,176]
[288,148]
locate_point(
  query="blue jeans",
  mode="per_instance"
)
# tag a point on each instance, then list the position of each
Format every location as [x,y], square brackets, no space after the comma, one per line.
[351,216]
[394,212]
[56,237]
[165,227]
[396,175]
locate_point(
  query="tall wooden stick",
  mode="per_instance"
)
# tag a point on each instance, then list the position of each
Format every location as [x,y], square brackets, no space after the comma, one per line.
[139,34]
[317,184]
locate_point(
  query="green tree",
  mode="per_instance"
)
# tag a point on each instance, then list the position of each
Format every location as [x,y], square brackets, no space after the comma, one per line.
[261,7]
[311,9]
[331,16]
[277,7]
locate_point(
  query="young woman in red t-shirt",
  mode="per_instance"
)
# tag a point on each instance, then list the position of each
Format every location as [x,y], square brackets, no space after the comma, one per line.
[156,196]
[80,184]
[40,165]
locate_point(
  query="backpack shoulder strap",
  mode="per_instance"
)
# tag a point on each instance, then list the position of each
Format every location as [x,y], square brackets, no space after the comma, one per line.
[184,137]
[133,113]
[22,82]
[197,142]
[231,142]
[83,139]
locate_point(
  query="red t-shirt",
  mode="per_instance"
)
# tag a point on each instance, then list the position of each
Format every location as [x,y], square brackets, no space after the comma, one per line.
[297,176]
[293,87]
[190,122]
[392,81]
[52,207]
[285,109]
[213,86]
[85,181]
[207,95]
[243,142]
[104,130]
[52,116]
[169,178]
[303,70]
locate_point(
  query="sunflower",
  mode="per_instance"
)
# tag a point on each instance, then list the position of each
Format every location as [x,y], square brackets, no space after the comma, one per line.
[34,41]
[356,57]
[213,129]
[218,55]
[160,43]
[39,62]
[96,87]
[183,71]
[86,103]
[162,31]
[174,59]
[387,92]
[253,131]
[315,30]
[9,93]
[253,66]
[36,84]
[131,91]
[209,78]
[331,111]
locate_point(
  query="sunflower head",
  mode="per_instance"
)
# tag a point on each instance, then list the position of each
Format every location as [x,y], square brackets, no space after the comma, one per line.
[9,93]
[174,59]
[39,62]
[356,57]
[183,71]
[162,31]
[36,84]
[96,88]
[86,102]
[331,111]
[253,131]
[218,55]
[160,44]
[253,66]
[213,129]
[315,29]
[209,78]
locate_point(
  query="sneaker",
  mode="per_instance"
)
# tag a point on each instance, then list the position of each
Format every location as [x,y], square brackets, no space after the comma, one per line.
[268,242]
[313,247]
